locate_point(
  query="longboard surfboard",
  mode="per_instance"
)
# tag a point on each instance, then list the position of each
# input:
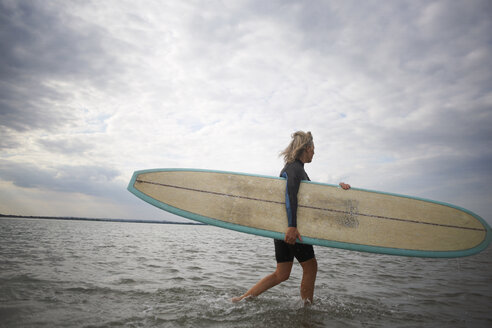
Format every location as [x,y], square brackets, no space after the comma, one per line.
[355,219]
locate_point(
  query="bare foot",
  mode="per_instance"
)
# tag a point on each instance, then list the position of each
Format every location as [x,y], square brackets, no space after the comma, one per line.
[240,298]
[308,302]
[237,299]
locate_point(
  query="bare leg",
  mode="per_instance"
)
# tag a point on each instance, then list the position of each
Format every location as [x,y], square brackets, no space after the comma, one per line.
[309,270]
[282,273]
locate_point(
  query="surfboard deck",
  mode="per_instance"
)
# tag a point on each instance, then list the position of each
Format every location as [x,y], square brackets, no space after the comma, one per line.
[355,219]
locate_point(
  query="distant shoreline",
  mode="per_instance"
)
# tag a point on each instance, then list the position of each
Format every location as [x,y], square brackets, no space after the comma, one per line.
[97,219]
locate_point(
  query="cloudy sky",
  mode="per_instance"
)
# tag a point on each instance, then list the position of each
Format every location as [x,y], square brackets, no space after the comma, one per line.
[398,97]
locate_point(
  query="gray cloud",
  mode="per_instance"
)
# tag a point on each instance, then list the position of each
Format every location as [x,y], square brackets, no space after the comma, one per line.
[43,39]
[84,179]
[65,146]
[39,43]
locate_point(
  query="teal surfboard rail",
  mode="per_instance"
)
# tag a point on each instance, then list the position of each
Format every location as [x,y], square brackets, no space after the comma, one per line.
[313,241]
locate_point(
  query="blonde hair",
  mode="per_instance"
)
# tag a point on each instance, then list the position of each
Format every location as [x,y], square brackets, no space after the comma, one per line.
[300,141]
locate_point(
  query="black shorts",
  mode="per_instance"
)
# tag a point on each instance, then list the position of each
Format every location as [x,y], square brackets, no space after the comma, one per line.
[285,252]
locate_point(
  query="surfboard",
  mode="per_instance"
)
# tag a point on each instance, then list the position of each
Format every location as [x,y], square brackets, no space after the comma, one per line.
[355,219]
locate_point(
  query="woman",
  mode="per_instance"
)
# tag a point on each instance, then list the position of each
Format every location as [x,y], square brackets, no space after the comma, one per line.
[298,152]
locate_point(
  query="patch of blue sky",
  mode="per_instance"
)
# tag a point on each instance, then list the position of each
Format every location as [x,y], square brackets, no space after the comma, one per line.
[385,159]
[96,124]
[191,125]
[196,127]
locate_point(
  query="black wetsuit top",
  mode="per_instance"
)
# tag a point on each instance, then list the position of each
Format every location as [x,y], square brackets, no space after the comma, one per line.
[294,173]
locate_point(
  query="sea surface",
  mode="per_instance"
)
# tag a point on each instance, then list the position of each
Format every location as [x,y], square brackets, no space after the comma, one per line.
[57,273]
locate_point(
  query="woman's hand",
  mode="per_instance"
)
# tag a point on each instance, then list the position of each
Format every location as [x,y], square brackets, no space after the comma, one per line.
[344,186]
[291,235]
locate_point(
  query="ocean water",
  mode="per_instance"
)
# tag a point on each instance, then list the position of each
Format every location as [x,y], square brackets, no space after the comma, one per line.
[110,274]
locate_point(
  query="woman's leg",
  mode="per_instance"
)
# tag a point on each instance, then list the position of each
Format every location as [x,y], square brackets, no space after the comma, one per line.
[282,273]
[309,270]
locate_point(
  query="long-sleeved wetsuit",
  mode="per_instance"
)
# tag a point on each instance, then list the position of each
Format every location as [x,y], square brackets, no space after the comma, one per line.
[294,173]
